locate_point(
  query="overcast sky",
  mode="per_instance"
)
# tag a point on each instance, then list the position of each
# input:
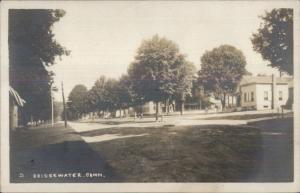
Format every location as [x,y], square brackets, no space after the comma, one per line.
[103,37]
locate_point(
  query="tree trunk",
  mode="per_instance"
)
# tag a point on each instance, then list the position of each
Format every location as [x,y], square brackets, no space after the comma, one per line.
[135,111]
[181,107]
[223,102]
[200,104]
[227,99]
[167,106]
[156,110]
[124,113]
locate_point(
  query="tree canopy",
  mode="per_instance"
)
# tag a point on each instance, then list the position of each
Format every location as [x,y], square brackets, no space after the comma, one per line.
[95,97]
[109,94]
[32,48]
[221,71]
[185,77]
[77,103]
[125,92]
[156,69]
[274,39]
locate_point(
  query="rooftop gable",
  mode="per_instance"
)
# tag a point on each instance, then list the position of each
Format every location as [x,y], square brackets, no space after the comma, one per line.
[265,80]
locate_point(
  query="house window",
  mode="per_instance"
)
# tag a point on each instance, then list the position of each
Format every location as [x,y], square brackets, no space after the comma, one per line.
[252,96]
[280,95]
[245,97]
[266,97]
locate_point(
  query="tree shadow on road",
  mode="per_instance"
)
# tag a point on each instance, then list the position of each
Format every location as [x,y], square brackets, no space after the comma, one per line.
[62,158]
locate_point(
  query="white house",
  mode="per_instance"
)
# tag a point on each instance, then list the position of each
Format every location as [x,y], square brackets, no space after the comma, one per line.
[264,92]
[149,108]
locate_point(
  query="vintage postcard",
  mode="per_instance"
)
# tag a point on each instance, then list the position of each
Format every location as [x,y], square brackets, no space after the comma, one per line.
[150,96]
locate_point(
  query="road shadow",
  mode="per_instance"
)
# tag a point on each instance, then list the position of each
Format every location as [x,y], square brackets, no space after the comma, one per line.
[69,157]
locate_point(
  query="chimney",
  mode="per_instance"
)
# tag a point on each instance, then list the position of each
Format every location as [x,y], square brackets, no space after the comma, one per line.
[273,90]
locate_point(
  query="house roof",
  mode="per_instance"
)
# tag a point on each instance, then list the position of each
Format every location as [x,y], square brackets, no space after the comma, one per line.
[265,80]
[213,100]
[20,102]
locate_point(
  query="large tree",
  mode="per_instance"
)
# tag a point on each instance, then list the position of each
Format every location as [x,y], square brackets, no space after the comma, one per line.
[119,95]
[95,97]
[221,71]
[185,77]
[106,96]
[155,69]
[77,104]
[124,92]
[111,97]
[32,48]
[274,39]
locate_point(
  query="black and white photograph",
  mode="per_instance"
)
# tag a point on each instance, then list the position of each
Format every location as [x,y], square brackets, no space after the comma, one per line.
[149,92]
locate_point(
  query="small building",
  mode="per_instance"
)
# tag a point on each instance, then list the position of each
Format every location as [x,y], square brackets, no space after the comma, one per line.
[15,103]
[264,92]
[290,102]
[215,104]
[149,108]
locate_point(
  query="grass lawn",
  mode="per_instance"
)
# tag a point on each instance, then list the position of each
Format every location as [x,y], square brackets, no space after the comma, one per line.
[261,152]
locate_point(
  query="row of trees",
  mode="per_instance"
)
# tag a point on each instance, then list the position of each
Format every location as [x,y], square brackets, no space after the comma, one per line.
[160,73]
[107,95]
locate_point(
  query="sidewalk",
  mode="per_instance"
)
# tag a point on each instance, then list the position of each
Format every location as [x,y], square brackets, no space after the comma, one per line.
[56,155]
[201,113]
[171,120]
[184,120]
[149,122]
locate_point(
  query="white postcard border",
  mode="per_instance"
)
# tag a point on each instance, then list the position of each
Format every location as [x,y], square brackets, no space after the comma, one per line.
[6,186]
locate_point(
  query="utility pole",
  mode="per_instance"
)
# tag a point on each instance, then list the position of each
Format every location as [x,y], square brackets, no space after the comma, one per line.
[52,107]
[64,104]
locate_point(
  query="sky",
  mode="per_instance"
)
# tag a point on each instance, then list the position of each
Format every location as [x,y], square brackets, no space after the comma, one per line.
[103,37]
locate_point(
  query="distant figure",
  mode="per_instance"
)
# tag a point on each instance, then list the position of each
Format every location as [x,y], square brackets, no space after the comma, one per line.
[217,109]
